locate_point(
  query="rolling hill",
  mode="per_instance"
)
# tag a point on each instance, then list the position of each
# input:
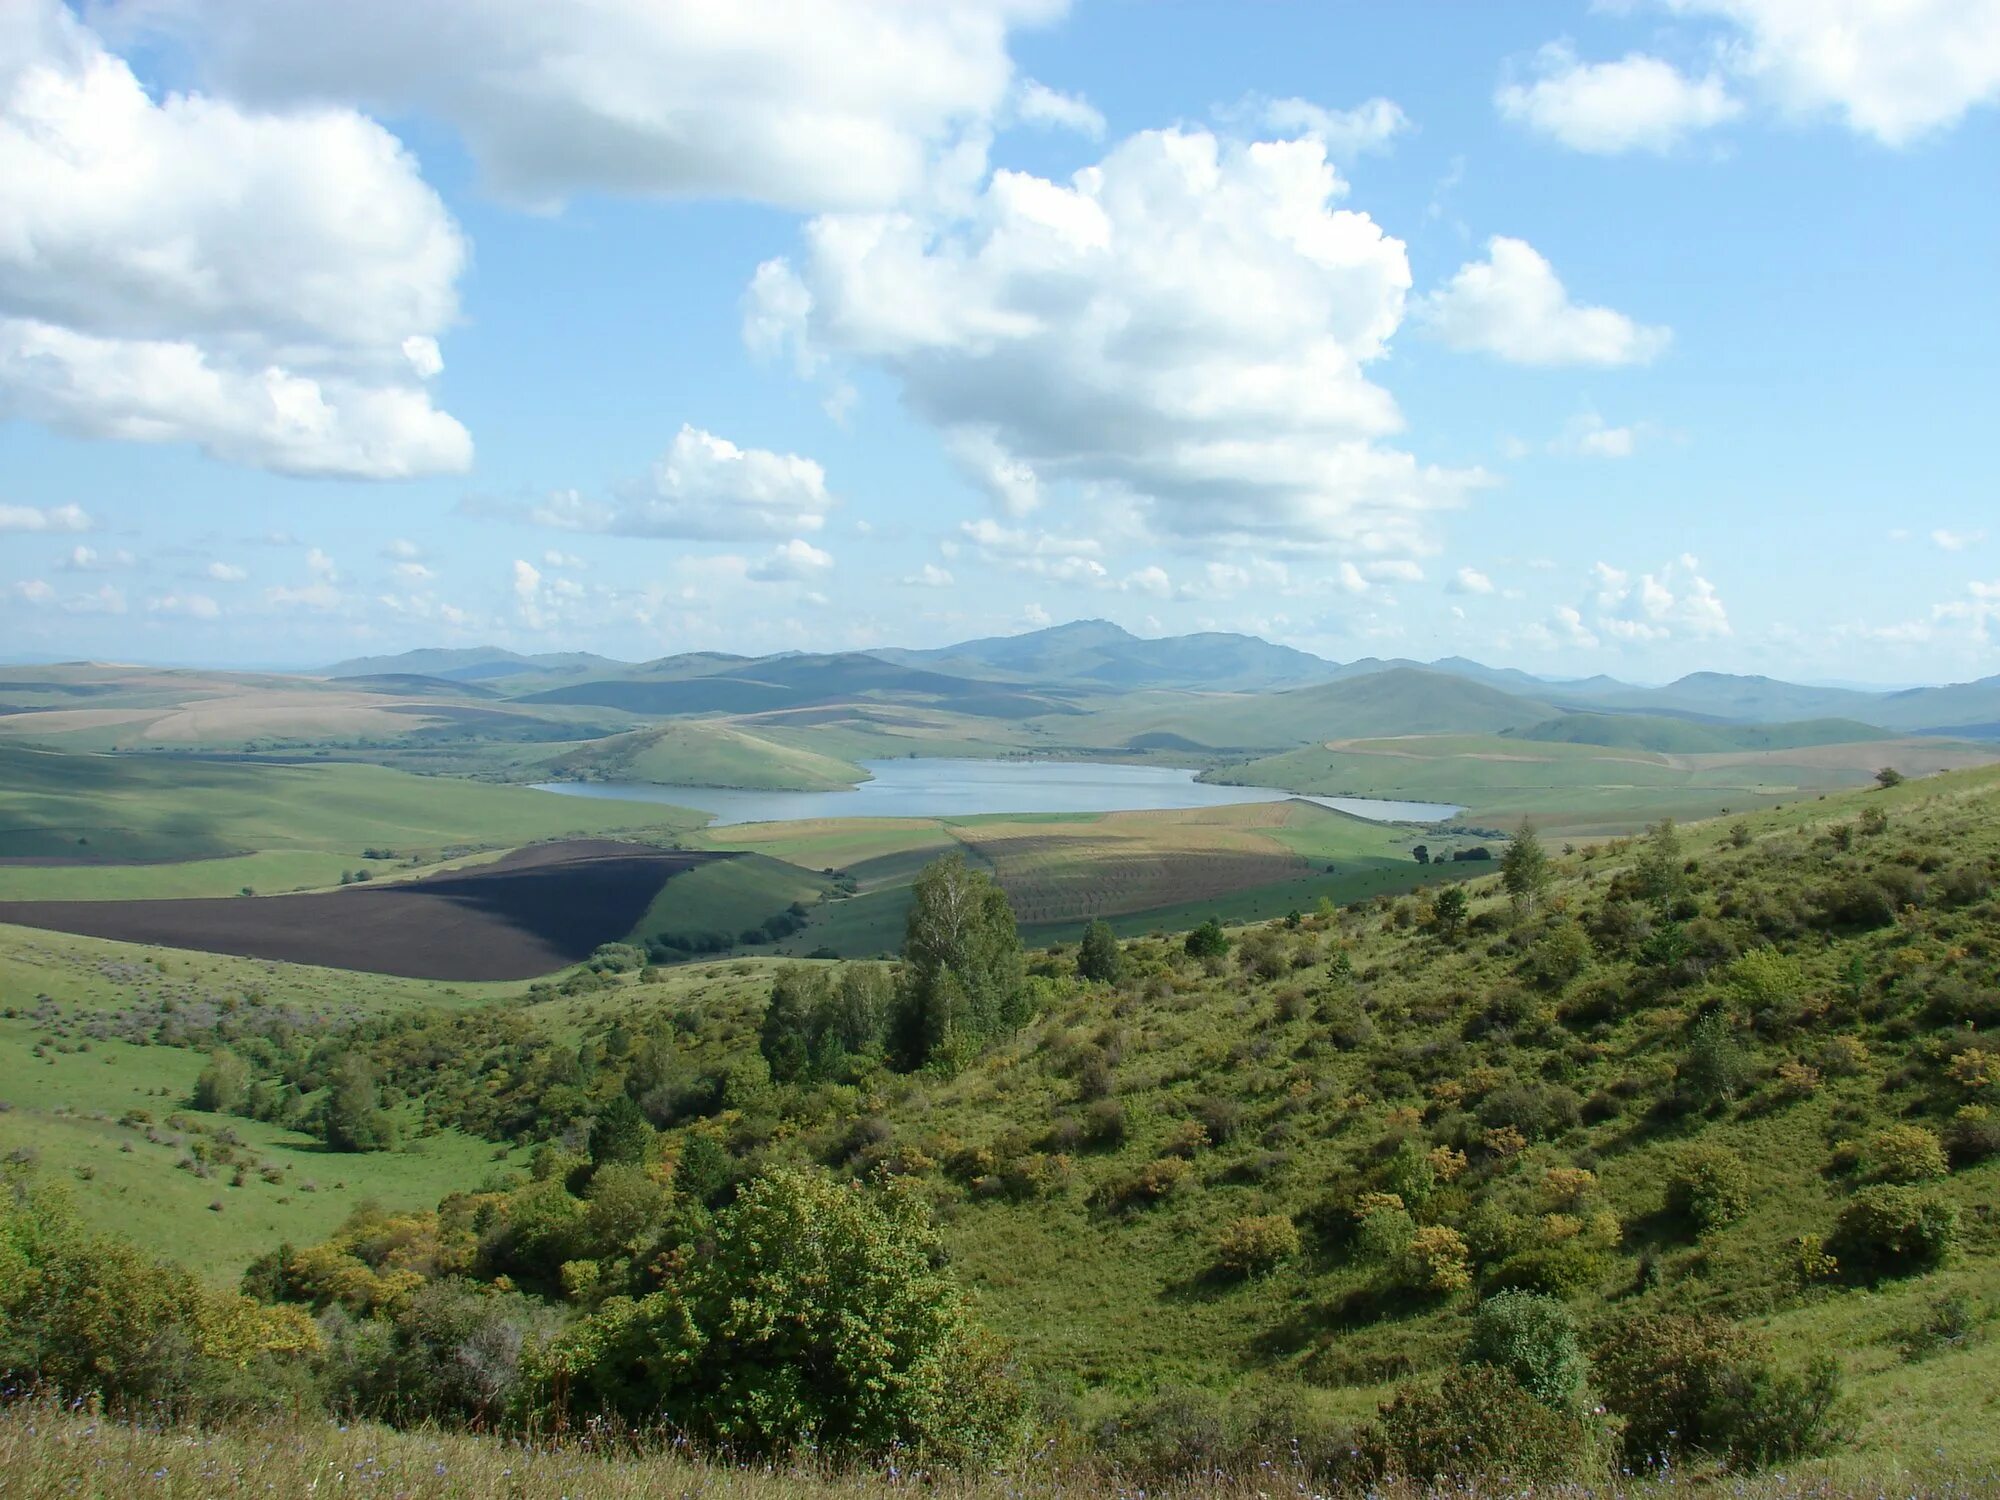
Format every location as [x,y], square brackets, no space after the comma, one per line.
[1692,737]
[702,753]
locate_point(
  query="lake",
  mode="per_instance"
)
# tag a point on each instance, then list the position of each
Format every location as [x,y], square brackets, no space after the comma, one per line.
[937,787]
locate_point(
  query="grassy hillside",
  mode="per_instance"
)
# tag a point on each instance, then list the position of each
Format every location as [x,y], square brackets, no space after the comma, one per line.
[703,752]
[1793,1013]
[1587,789]
[1689,737]
[1399,701]
[218,826]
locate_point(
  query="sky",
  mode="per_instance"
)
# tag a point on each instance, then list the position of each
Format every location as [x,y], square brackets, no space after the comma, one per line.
[1640,337]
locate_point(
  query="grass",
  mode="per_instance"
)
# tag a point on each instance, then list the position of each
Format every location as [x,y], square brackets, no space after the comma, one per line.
[727,896]
[221,826]
[51,1453]
[703,752]
[1587,790]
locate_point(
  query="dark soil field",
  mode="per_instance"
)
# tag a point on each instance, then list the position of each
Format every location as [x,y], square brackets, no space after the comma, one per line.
[531,912]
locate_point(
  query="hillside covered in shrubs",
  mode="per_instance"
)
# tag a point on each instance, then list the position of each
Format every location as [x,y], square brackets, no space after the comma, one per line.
[1680,1149]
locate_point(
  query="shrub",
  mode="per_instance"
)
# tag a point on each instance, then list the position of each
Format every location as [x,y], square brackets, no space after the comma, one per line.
[223,1085]
[1894,1231]
[1708,1186]
[1099,957]
[1207,941]
[1255,1243]
[1478,1424]
[1436,1260]
[1532,1337]
[1156,1180]
[1906,1154]
[1104,1124]
[1662,1373]
[1560,955]
[822,1316]
[1973,1136]
[1715,1067]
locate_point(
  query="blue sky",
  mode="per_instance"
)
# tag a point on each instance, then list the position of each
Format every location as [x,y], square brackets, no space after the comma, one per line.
[1640,337]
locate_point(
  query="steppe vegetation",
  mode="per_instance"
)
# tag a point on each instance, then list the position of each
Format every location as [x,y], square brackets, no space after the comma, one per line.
[1671,1150]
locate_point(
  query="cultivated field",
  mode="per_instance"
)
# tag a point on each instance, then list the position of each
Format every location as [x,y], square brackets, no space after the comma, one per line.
[529,913]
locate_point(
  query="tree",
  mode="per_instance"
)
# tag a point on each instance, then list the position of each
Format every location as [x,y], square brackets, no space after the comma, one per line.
[621,1134]
[824,1318]
[1098,957]
[1448,908]
[1888,777]
[352,1118]
[785,1038]
[962,982]
[1532,1337]
[704,1172]
[1421,854]
[1659,870]
[223,1086]
[1524,870]
[1206,941]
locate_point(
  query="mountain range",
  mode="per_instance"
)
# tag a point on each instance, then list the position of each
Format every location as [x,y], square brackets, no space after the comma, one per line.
[1048,670]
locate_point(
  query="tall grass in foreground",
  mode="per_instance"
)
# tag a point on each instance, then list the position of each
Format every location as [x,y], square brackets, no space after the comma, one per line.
[48,1450]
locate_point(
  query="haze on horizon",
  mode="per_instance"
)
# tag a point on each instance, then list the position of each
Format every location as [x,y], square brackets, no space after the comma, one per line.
[1633,339]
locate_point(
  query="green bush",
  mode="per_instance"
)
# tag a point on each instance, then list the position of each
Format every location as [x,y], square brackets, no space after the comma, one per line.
[1907,1154]
[1708,1186]
[1688,1384]
[1893,1231]
[1478,1424]
[1530,1336]
[1098,957]
[1255,1243]
[821,1318]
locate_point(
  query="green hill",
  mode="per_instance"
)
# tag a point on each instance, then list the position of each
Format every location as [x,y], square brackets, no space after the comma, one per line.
[1690,737]
[702,752]
[1741,1073]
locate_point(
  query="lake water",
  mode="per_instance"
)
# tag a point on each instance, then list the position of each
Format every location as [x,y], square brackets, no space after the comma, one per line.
[935,787]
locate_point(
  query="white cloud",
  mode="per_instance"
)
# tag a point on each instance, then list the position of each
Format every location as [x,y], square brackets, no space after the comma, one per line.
[1184,326]
[1638,103]
[103,600]
[190,606]
[1675,603]
[82,559]
[703,488]
[528,600]
[929,576]
[402,549]
[1513,306]
[1470,581]
[223,572]
[791,561]
[1038,104]
[1151,580]
[1896,70]
[190,271]
[1345,133]
[1956,541]
[413,572]
[34,591]
[1571,630]
[1589,436]
[314,596]
[803,103]
[44,518]
[1394,570]
[320,565]
[563,561]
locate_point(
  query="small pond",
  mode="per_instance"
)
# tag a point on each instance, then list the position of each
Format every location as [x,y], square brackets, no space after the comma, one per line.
[939,787]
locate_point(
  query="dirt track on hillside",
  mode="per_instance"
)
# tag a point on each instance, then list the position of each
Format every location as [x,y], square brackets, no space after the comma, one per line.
[529,913]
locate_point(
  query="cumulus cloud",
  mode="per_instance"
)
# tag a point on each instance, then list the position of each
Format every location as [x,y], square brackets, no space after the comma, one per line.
[1513,306]
[44,518]
[223,572]
[703,488]
[1061,559]
[1638,103]
[34,591]
[413,572]
[929,576]
[1896,70]
[319,596]
[1185,325]
[1470,581]
[1675,602]
[1588,435]
[102,600]
[1956,541]
[1038,104]
[1345,133]
[808,104]
[790,562]
[82,559]
[189,606]
[266,286]
[528,601]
